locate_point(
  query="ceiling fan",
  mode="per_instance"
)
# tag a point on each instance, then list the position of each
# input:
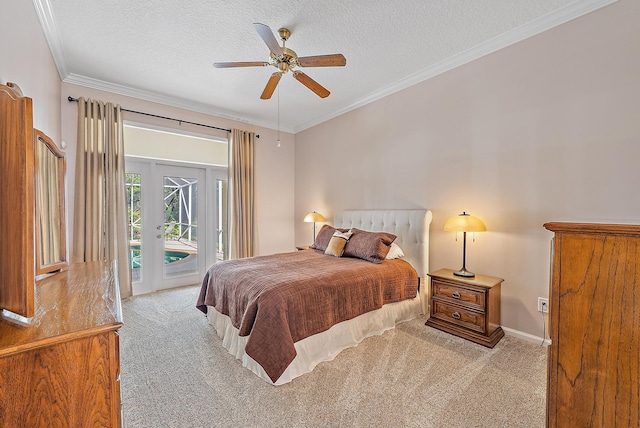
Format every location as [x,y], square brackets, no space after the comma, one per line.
[285,60]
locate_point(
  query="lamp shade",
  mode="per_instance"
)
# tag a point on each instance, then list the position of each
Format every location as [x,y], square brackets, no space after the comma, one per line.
[314,217]
[464,223]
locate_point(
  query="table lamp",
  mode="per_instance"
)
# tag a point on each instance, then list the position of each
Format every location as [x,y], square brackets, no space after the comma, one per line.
[314,218]
[464,223]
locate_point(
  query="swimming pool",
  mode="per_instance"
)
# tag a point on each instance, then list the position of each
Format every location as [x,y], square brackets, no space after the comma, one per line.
[170,256]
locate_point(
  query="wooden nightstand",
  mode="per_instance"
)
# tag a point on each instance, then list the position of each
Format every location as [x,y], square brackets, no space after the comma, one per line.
[466,307]
[302,247]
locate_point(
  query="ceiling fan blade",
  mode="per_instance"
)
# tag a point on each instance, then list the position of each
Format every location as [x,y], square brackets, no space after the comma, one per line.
[307,81]
[269,39]
[240,64]
[271,86]
[333,60]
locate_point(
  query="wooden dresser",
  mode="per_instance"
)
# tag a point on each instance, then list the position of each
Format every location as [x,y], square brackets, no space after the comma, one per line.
[63,368]
[466,307]
[594,357]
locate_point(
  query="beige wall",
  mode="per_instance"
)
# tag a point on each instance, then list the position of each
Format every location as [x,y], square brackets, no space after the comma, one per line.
[545,130]
[27,61]
[273,165]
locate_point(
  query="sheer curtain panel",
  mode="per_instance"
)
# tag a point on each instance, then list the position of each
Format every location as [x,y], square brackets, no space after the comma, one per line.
[241,205]
[100,225]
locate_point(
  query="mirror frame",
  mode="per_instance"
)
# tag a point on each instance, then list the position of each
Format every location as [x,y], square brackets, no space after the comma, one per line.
[41,138]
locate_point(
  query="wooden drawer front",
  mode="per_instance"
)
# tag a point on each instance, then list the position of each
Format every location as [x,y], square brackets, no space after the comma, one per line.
[472,298]
[458,315]
[67,384]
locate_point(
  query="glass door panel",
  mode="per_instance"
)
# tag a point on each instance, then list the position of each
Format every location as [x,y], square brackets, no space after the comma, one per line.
[134,216]
[139,185]
[180,225]
[181,256]
[222,242]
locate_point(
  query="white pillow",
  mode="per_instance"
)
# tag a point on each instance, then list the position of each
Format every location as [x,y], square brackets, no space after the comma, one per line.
[395,252]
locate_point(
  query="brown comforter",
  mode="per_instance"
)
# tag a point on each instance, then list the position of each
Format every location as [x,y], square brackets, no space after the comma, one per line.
[282,298]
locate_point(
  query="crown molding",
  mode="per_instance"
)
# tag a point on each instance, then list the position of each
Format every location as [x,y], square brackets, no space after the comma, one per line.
[154,97]
[530,29]
[166,100]
[43,9]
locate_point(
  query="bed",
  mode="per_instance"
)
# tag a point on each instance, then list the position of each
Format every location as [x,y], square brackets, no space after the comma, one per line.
[246,322]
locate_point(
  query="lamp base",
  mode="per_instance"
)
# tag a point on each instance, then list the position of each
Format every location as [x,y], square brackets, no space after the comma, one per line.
[464,273]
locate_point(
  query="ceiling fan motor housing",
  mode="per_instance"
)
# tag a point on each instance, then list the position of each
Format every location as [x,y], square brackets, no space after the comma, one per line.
[287,61]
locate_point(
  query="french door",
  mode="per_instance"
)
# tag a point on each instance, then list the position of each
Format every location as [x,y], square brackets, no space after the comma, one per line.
[170,213]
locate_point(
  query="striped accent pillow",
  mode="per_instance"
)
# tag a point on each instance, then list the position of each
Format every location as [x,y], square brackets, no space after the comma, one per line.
[337,243]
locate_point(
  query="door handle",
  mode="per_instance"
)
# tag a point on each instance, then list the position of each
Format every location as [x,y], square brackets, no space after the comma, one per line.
[158,236]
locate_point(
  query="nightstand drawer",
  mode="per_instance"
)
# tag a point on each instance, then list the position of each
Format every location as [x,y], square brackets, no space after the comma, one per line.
[462,295]
[467,307]
[458,315]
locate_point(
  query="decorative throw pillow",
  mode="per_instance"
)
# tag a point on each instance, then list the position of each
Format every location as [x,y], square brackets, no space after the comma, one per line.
[324,236]
[337,243]
[370,246]
[395,252]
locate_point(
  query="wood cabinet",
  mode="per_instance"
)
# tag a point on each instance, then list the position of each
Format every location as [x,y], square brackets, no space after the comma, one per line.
[466,307]
[594,357]
[63,368]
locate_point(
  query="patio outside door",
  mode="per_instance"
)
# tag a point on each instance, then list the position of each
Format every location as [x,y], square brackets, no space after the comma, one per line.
[167,227]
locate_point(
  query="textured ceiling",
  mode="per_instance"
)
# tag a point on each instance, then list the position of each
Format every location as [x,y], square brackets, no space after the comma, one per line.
[163,50]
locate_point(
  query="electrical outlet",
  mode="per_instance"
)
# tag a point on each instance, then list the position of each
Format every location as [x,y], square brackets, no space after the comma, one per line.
[543,305]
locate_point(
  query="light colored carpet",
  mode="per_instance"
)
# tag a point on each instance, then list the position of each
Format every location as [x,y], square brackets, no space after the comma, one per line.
[175,373]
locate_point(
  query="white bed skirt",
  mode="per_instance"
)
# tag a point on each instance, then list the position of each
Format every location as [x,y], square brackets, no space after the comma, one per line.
[314,349]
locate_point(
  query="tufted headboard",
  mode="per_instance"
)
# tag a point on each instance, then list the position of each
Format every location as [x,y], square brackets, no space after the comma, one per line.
[410,226]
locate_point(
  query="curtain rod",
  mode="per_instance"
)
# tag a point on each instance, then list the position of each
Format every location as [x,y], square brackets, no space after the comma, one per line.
[71,99]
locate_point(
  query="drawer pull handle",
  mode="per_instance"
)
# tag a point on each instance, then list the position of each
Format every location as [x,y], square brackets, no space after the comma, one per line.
[455,295]
[456,315]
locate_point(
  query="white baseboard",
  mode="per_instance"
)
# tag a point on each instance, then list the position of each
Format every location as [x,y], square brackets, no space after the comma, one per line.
[526,336]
